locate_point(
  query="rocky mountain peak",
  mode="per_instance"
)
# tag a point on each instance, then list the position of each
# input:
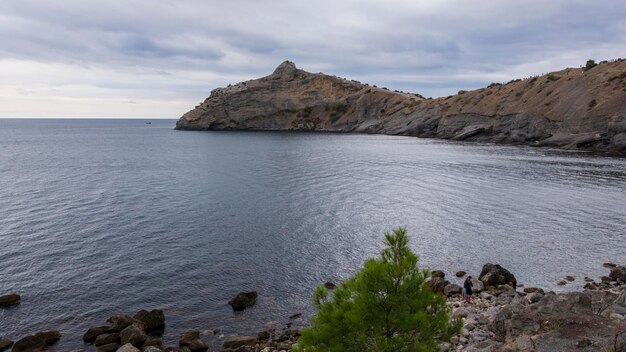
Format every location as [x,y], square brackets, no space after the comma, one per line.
[287,69]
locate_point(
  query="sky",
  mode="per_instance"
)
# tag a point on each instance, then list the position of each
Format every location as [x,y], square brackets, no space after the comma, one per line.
[160,58]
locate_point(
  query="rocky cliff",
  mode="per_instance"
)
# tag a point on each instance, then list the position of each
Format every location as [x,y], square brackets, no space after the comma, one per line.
[572,108]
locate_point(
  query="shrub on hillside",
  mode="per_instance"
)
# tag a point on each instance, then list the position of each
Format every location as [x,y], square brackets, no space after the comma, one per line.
[589,65]
[386,306]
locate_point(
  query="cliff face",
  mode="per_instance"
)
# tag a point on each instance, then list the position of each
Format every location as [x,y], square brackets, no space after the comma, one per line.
[571,109]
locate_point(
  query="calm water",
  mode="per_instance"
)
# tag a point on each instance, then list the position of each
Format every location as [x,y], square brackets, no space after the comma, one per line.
[107,216]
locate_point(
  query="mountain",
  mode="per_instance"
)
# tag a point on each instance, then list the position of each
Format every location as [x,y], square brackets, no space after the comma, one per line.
[575,108]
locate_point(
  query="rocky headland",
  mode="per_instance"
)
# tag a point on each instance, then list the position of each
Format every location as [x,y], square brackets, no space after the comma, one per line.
[503,316]
[575,108]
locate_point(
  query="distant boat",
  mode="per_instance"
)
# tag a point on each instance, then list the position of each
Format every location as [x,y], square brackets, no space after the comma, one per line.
[148,123]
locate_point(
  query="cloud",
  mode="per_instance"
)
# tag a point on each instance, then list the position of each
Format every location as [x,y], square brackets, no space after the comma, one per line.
[97,56]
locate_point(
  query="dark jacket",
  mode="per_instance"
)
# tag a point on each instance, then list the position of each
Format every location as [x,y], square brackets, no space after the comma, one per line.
[467,285]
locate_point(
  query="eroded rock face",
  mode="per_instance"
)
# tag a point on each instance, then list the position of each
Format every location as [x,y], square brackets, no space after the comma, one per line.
[569,109]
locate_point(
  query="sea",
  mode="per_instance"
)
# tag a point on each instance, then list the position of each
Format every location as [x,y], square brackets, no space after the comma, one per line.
[110,216]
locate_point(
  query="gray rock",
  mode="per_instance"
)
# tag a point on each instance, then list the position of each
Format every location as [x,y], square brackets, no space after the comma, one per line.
[30,344]
[452,289]
[243,300]
[128,348]
[460,312]
[110,347]
[437,273]
[494,275]
[10,300]
[121,321]
[198,346]
[234,342]
[49,337]
[477,285]
[330,286]
[263,335]
[460,273]
[437,284]
[92,333]
[618,272]
[152,341]
[154,320]
[104,339]
[152,349]
[283,346]
[533,289]
[189,337]
[134,335]
[534,297]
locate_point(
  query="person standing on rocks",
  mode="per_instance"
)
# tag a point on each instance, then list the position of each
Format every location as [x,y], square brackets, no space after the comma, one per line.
[467,289]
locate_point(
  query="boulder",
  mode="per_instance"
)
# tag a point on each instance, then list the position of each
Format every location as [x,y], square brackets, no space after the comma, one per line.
[128,348]
[153,320]
[493,275]
[109,347]
[5,344]
[10,300]
[534,297]
[452,289]
[243,300]
[134,335]
[533,290]
[92,333]
[121,321]
[104,339]
[234,342]
[618,272]
[437,284]
[438,273]
[295,316]
[570,278]
[152,349]
[263,335]
[188,337]
[330,285]
[151,341]
[49,337]
[30,344]
[191,340]
[477,286]
[198,346]
[460,273]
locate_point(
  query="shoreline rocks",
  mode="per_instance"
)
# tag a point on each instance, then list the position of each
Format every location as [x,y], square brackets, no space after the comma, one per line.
[243,300]
[10,300]
[498,319]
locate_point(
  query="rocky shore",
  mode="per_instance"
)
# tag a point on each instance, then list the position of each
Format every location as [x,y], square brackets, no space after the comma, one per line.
[501,317]
[575,108]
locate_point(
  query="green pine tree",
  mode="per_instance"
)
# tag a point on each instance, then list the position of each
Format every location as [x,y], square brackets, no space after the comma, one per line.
[386,306]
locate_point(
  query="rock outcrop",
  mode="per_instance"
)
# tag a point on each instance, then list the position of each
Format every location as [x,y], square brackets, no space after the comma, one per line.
[572,108]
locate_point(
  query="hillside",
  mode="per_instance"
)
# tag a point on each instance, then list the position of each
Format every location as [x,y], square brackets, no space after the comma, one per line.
[572,108]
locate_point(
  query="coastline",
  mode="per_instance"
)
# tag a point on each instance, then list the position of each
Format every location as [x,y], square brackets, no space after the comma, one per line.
[502,316]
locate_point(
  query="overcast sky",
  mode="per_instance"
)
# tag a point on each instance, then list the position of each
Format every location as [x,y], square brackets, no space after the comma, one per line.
[151,58]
